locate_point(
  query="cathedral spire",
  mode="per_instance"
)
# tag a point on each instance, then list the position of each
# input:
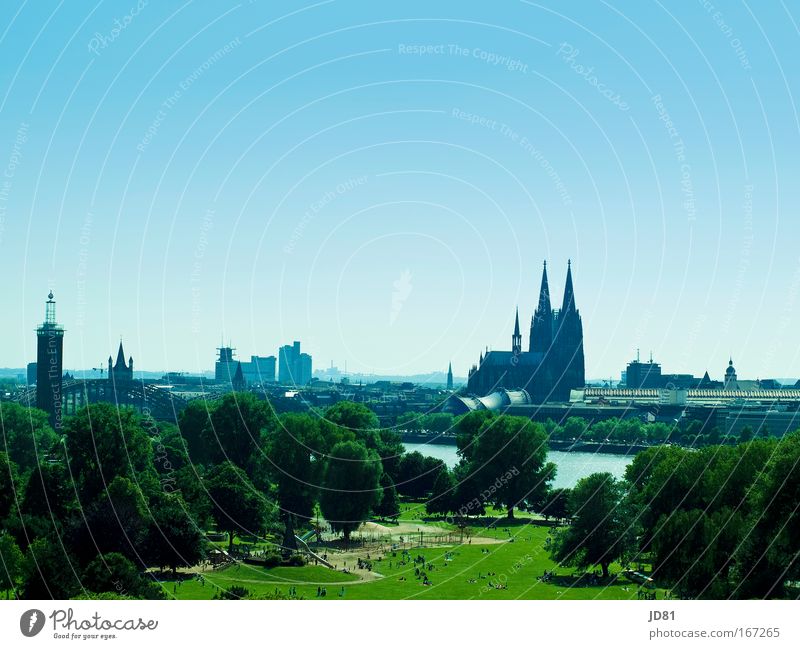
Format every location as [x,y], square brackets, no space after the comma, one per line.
[569,292]
[541,335]
[516,339]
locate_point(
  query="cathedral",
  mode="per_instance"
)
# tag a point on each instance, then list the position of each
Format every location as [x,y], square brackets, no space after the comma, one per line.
[553,364]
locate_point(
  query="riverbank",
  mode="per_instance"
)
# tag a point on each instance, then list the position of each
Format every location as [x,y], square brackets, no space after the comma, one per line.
[611,448]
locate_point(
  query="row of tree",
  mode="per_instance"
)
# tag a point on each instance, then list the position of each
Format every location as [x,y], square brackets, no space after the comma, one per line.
[718,522]
[123,491]
[629,431]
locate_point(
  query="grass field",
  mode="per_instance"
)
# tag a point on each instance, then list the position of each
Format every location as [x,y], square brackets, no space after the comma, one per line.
[515,560]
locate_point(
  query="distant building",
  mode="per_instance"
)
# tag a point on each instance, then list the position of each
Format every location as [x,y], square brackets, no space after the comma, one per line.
[225,367]
[50,364]
[179,378]
[554,362]
[260,370]
[731,380]
[643,375]
[120,372]
[450,376]
[294,367]
[238,383]
[763,422]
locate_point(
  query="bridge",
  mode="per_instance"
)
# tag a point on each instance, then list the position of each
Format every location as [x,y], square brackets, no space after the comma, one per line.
[144,396]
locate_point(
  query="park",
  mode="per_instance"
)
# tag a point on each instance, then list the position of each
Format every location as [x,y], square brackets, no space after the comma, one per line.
[235,501]
[419,558]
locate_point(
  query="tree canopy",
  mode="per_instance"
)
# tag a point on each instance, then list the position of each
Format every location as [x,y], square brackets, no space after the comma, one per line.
[351,486]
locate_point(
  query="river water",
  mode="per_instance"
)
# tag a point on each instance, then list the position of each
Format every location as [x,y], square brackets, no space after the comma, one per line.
[571,466]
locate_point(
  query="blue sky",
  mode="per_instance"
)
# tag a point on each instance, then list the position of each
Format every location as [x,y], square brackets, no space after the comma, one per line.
[382,180]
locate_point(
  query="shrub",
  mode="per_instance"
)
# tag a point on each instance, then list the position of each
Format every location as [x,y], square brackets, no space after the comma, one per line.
[234,592]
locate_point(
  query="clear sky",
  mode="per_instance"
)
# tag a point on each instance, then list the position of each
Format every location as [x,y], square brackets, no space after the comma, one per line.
[382,180]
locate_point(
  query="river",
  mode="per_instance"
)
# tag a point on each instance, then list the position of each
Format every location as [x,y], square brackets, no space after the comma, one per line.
[571,466]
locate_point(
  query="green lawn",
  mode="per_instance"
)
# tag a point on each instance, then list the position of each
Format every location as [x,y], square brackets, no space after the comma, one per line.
[516,563]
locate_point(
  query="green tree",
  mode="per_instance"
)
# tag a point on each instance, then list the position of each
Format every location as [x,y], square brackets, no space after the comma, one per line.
[443,494]
[694,550]
[575,428]
[770,556]
[468,427]
[49,493]
[416,474]
[113,573]
[28,438]
[193,421]
[104,442]
[294,452]
[238,430]
[438,422]
[50,571]
[467,497]
[173,538]
[116,521]
[509,462]
[557,504]
[350,486]
[11,565]
[715,436]
[9,487]
[389,506]
[410,422]
[237,507]
[348,421]
[355,417]
[600,532]
[746,434]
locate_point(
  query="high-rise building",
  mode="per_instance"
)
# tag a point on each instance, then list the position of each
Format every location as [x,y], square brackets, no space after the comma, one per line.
[554,362]
[294,367]
[49,364]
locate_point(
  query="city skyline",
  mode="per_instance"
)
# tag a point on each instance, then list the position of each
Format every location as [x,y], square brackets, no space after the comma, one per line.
[256,359]
[383,183]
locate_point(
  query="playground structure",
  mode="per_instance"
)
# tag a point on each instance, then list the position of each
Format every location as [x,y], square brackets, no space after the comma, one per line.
[301,541]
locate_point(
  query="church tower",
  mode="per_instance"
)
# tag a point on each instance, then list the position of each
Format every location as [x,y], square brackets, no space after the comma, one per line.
[238,383]
[516,339]
[450,376]
[119,372]
[569,343]
[731,379]
[541,336]
[49,364]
